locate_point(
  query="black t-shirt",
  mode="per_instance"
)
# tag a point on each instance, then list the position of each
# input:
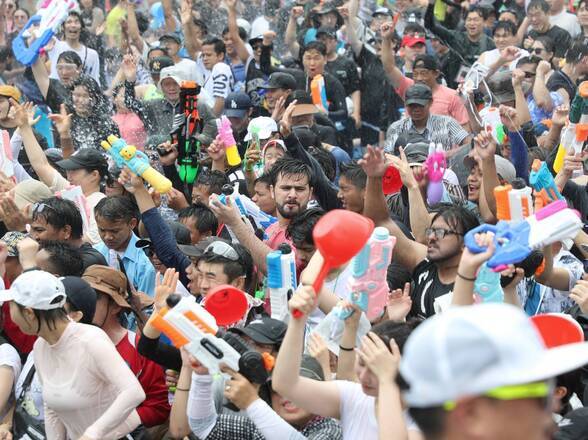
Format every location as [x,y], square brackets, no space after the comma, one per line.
[57,94]
[559,80]
[345,70]
[559,36]
[426,288]
[91,256]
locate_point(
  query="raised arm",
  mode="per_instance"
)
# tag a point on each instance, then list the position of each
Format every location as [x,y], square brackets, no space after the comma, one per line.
[168,14]
[540,91]
[352,39]
[234,31]
[41,76]
[485,147]
[290,37]
[388,56]
[133,27]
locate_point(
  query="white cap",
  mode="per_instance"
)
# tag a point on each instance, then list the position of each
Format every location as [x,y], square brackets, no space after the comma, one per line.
[171,72]
[266,125]
[36,289]
[467,351]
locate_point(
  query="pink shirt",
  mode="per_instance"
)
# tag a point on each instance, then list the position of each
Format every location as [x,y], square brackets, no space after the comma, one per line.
[276,235]
[131,129]
[446,101]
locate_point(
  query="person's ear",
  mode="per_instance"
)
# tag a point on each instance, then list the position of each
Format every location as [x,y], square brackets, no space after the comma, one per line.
[76,316]
[272,192]
[239,282]
[66,232]
[133,223]
[560,392]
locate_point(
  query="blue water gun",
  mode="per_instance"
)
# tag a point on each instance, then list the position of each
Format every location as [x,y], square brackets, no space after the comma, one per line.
[541,178]
[247,208]
[281,279]
[515,240]
[49,18]
[487,285]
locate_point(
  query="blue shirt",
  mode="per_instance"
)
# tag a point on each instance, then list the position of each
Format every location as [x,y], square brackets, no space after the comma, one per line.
[138,268]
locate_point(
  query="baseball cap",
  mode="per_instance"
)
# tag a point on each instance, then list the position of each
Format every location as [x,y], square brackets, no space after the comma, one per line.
[281,80]
[425,61]
[10,92]
[468,351]
[82,296]
[381,11]
[87,158]
[310,368]
[237,104]
[328,31]
[304,104]
[196,250]
[266,126]
[410,41]
[573,426]
[264,331]
[500,85]
[109,281]
[170,72]
[181,234]
[504,168]
[416,152]
[30,191]
[418,93]
[170,36]
[159,63]
[36,289]
[12,239]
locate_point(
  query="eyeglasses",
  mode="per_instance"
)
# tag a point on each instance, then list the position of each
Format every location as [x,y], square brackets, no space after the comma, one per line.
[440,233]
[543,391]
[537,51]
[222,249]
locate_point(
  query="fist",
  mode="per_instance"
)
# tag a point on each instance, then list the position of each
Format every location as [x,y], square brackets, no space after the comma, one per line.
[543,67]
[297,12]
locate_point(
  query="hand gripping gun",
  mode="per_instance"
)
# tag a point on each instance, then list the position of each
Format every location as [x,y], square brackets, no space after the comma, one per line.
[281,279]
[436,165]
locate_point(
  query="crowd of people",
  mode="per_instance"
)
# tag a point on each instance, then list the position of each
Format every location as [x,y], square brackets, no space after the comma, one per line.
[333,105]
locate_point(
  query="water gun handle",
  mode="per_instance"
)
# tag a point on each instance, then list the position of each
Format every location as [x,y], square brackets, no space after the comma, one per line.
[470,240]
[225,133]
[317,285]
[160,183]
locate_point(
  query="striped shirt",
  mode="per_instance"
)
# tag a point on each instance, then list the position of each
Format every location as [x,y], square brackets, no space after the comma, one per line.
[440,129]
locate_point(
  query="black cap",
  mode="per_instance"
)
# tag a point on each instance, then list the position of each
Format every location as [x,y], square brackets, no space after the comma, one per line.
[82,296]
[310,368]
[574,426]
[264,331]
[237,104]
[197,250]
[328,31]
[281,80]
[158,63]
[425,61]
[88,159]
[181,235]
[420,94]
[170,36]
[304,104]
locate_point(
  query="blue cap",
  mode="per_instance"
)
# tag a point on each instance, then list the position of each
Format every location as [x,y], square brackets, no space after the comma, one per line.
[237,104]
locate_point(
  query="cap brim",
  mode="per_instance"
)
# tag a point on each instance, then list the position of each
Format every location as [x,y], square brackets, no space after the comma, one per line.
[70,164]
[254,335]
[263,134]
[190,250]
[7,295]
[417,101]
[304,109]
[235,113]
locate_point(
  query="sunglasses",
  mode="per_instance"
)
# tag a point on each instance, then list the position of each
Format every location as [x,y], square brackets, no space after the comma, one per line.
[39,208]
[222,249]
[537,51]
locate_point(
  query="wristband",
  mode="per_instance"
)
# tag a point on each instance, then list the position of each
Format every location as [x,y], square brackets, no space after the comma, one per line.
[346,349]
[182,389]
[466,278]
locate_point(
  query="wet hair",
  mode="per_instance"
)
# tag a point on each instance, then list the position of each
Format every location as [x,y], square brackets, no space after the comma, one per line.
[326,160]
[65,259]
[69,56]
[506,26]
[457,217]
[60,213]
[531,59]
[50,317]
[215,180]
[160,48]
[242,33]
[538,4]
[413,28]
[78,16]
[319,46]
[576,52]
[202,25]
[353,172]
[116,208]
[482,12]
[547,43]
[205,219]
[99,102]
[572,380]
[264,178]
[217,43]
[300,227]
[291,167]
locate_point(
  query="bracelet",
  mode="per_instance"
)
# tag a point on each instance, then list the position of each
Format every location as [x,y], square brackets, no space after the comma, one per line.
[466,278]
[182,389]
[346,349]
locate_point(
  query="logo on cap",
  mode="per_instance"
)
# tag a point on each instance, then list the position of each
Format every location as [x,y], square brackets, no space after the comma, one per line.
[233,103]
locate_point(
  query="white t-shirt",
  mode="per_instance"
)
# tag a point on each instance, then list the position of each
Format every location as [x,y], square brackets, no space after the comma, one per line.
[358,413]
[219,82]
[9,358]
[89,57]
[566,21]
[489,57]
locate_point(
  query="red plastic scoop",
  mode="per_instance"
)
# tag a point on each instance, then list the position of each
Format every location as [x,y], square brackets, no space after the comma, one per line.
[339,235]
[227,304]
[558,329]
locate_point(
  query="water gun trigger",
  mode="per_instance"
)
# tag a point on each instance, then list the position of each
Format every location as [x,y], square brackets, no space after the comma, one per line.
[470,238]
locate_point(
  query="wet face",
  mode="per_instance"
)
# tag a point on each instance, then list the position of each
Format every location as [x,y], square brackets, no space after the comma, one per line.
[503,39]
[352,197]
[474,182]
[292,194]
[263,198]
[72,28]
[417,112]
[210,57]
[41,230]
[170,89]
[20,18]
[329,42]
[474,24]
[115,234]
[288,411]
[210,275]
[272,96]
[367,379]
[270,156]
[81,177]
[201,193]
[314,63]
[425,76]
[67,72]
[539,49]
[439,250]
[190,223]
[538,19]
[82,101]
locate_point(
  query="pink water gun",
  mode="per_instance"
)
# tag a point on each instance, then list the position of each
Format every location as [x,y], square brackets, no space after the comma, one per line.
[225,133]
[436,165]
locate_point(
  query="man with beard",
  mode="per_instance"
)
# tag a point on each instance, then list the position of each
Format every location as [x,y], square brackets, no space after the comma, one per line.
[291,189]
[434,265]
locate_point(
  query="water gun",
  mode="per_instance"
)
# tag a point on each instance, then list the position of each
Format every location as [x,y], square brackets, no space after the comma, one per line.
[515,240]
[541,178]
[576,133]
[188,324]
[493,124]
[513,202]
[319,93]
[187,125]
[137,161]
[225,133]
[281,279]
[436,165]
[49,18]
[487,285]
[368,285]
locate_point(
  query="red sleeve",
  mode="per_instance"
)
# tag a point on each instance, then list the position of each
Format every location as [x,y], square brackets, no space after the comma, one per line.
[405,83]
[22,342]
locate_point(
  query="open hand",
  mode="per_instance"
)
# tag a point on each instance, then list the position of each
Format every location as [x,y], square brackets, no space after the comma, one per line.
[399,304]
[404,169]
[62,121]
[383,362]
[374,162]
[165,287]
